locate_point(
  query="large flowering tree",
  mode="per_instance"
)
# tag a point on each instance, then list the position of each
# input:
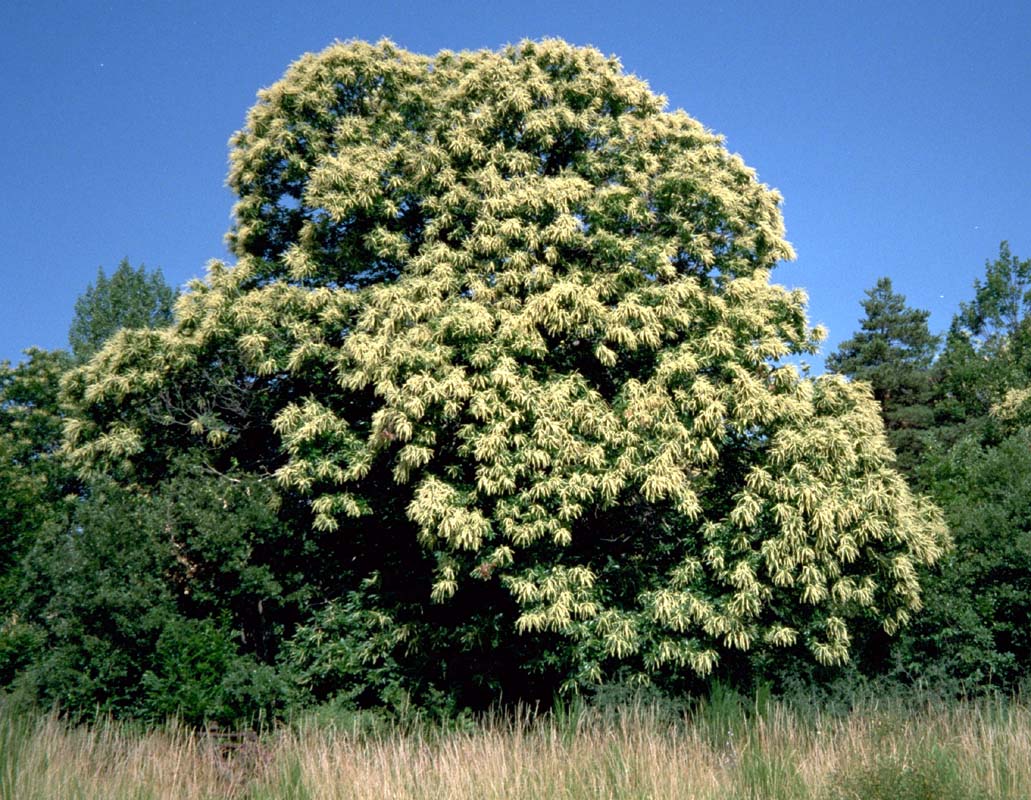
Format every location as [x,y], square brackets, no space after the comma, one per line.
[501,331]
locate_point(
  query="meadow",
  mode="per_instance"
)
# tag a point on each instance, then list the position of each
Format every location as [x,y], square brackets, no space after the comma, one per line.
[723,747]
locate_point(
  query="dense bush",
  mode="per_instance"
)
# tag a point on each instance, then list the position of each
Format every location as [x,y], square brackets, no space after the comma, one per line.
[158,604]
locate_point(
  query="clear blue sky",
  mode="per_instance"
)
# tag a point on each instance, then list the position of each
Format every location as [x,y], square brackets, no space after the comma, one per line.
[898,132]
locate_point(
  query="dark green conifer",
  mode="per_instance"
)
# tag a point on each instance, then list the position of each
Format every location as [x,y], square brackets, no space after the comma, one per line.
[893,352]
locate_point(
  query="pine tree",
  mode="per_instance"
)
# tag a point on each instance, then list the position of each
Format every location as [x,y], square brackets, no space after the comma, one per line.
[502,331]
[893,352]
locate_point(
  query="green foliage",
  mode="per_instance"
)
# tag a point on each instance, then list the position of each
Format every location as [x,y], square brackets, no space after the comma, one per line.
[145,604]
[199,676]
[37,488]
[973,460]
[33,481]
[351,653]
[1001,304]
[98,596]
[130,298]
[975,631]
[20,645]
[974,634]
[503,331]
[988,349]
[233,556]
[893,352]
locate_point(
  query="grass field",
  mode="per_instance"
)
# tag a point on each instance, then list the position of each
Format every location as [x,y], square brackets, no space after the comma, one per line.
[724,748]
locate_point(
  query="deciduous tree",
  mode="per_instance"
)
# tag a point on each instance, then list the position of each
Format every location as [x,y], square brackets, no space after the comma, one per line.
[33,484]
[502,330]
[988,348]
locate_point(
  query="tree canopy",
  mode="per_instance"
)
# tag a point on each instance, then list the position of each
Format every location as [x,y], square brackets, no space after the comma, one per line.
[501,338]
[987,350]
[32,482]
[130,298]
[893,351]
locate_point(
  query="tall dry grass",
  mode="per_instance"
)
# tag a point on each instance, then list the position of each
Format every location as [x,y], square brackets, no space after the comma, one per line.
[977,750]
